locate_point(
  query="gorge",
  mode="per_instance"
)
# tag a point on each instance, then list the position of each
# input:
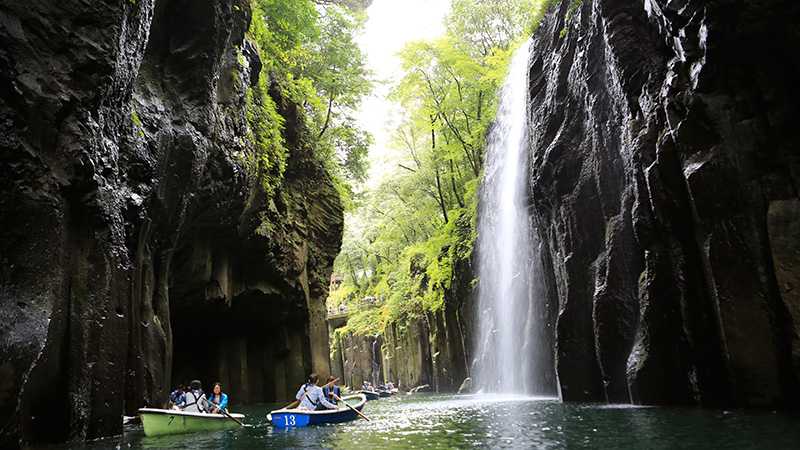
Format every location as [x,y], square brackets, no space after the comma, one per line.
[617,222]
[663,195]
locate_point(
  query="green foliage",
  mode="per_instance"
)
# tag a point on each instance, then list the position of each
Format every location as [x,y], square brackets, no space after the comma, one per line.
[540,9]
[345,149]
[268,162]
[341,296]
[406,238]
[137,123]
[310,56]
[573,7]
[334,61]
[364,322]
[484,26]
[280,28]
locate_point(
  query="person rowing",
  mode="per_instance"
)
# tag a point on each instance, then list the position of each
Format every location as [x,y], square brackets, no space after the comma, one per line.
[218,399]
[195,399]
[332,391]
[311,396]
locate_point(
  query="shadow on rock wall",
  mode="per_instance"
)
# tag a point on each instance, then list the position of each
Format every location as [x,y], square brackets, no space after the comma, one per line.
[128,243]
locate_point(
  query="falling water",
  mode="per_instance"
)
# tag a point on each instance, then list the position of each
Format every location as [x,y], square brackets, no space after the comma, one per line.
[508,315]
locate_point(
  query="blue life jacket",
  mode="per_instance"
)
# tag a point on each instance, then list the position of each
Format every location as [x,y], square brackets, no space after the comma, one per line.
[223,402]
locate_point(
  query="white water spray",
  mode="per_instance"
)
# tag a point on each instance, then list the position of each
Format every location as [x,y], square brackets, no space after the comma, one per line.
[509,311]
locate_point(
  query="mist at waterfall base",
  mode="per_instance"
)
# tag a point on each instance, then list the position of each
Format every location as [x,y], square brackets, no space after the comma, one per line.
[512,346]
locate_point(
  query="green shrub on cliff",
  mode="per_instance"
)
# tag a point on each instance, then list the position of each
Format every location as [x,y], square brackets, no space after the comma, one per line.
[310,58]
[266,128]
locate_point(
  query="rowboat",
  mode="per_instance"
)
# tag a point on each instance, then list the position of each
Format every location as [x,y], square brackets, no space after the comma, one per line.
[384,393]
[296,418]
[158,422]
[371,395]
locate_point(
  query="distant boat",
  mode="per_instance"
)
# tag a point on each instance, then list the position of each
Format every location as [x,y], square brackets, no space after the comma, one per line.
[370,395]
[158,422]
[296,418]
[384,393]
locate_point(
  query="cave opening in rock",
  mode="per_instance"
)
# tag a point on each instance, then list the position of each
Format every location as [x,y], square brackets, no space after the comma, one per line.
[256,346]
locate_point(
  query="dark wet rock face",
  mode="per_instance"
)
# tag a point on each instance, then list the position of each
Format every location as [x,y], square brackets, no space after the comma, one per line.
[664,182]
[128,243]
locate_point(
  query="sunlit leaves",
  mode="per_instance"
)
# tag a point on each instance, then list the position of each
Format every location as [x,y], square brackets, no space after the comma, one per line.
[406,237]
[408,234]
[483,27]
[282,27]
[309,51]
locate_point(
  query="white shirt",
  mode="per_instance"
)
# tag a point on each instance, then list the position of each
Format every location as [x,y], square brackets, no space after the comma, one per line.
[196,402]
[310,395]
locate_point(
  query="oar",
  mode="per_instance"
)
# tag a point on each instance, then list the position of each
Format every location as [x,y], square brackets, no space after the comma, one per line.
[346,404]
[231,417]
[297,402]
[330,382]
[225,413]
[292,405]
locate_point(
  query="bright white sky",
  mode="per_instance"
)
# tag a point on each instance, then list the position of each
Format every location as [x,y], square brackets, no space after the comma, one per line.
[390,25]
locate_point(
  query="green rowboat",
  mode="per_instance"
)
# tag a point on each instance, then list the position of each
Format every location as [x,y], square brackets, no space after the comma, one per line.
[158,422]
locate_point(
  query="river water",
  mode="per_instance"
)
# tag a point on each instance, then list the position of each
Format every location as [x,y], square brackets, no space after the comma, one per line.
[440,421]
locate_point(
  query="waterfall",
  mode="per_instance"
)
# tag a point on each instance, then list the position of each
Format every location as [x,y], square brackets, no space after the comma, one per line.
[376,364]
[509,311]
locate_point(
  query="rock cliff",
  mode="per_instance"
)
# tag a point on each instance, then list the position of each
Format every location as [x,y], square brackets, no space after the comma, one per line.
[432,348]
[135,249]
[664,183]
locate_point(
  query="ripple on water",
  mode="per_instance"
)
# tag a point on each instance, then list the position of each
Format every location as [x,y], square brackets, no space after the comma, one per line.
[437,421]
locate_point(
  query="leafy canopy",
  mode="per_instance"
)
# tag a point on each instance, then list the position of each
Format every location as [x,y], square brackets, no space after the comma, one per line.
[404,241]
[309,54]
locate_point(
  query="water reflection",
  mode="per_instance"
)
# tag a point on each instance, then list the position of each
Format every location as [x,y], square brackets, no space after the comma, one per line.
[435,421]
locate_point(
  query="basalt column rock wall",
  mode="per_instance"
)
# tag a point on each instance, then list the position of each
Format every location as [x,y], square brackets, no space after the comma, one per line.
[433,349]
[426,351]
[132,240]
[664,182]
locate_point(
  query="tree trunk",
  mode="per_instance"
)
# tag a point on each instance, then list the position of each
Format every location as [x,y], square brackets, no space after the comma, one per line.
[453,184]
[327,118]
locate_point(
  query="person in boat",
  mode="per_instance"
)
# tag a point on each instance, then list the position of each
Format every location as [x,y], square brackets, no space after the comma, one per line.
[332,391]
[195,399]
[178,396]
[218,399]
[311,396]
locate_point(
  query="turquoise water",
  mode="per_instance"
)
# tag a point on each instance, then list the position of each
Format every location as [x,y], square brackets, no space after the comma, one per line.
[439,421]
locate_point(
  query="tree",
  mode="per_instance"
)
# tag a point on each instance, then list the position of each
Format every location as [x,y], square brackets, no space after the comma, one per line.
[411,230]
[336,64]
[309,51]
